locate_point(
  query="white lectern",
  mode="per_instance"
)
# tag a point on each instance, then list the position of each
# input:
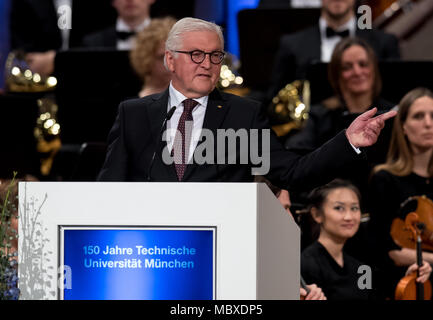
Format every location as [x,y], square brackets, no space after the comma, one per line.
[257,251]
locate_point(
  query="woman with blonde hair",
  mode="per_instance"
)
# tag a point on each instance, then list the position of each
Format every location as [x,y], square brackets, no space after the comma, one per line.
[147,58]
[407,172]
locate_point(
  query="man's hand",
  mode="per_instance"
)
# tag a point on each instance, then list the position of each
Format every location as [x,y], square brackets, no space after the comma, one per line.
[364,130]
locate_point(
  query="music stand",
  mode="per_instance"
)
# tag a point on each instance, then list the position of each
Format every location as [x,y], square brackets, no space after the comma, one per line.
[399,77]
[91,84]
[259,35]
[18,113]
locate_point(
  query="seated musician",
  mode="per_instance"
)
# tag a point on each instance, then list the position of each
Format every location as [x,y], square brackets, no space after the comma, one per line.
[335,207]
[407,172]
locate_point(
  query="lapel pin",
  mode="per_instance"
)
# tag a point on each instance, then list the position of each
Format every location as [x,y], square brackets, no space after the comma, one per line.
[219,107]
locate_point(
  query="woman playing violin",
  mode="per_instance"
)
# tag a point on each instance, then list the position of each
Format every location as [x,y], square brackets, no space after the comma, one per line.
[407,172]
[335,207]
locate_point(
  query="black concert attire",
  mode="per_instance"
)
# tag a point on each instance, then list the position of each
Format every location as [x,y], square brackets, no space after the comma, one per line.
[337,283]
[118,36]
[388,193]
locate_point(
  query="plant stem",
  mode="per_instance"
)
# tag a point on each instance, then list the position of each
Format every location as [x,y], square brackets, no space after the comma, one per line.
[3,229]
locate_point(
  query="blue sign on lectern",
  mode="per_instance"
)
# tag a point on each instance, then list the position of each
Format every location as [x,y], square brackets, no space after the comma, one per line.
[139,263]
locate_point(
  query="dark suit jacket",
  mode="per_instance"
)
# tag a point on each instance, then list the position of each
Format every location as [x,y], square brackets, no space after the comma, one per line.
[105,38]
[135,134]
[300,49]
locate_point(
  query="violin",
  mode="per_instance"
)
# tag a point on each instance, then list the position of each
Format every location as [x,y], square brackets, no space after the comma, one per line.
[408,288]
[403,236]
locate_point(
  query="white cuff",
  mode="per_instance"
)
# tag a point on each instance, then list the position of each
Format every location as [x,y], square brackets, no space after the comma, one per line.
[355,148]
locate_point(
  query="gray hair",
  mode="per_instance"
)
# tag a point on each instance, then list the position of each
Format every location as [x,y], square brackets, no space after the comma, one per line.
[174,39]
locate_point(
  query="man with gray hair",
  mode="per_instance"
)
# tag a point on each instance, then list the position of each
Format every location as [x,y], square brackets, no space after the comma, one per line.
[199,113]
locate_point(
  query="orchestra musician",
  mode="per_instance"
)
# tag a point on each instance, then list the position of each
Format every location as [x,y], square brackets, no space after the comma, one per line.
[407,172]
[335,208]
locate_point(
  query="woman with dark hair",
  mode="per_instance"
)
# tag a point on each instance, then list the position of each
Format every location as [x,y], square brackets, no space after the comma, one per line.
[407,172]
[354,74]
[335,208]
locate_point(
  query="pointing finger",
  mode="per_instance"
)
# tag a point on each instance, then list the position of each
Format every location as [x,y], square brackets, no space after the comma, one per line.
[387,115]
[368,114]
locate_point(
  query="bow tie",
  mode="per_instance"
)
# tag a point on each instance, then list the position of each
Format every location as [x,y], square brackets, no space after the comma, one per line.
[123,35]
[332,33]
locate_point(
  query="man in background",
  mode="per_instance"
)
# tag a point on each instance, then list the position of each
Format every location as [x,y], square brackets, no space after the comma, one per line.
[132,17]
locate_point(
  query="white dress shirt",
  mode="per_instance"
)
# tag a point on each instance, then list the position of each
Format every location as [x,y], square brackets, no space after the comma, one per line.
[328,44]
[175,99]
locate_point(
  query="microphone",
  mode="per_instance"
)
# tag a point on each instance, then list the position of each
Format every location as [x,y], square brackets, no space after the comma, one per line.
[167,117]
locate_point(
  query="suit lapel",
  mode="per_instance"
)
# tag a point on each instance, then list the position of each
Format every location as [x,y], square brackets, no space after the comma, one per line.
[157,112]
[216,110]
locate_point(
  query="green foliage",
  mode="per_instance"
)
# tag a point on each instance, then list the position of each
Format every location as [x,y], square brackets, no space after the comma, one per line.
[8,264]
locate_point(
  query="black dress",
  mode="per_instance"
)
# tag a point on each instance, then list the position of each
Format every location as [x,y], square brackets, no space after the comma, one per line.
[388,192]
[337,283]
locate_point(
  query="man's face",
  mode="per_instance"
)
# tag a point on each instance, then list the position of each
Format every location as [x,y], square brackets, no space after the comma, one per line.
[336,9]
[130,9]
[191,79]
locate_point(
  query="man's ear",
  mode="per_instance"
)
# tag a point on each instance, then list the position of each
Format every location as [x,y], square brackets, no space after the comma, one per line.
[317,216]
[169,60]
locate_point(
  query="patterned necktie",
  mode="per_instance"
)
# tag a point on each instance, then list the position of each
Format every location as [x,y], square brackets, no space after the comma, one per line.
[182,138]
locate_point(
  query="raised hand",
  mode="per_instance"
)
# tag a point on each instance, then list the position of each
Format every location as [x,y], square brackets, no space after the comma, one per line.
[364,130]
